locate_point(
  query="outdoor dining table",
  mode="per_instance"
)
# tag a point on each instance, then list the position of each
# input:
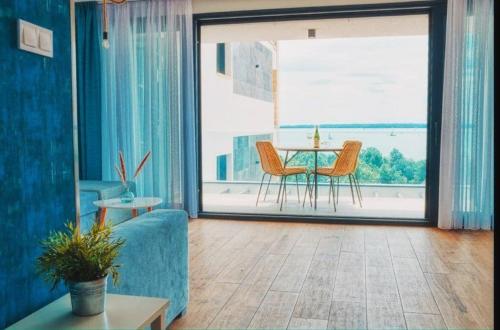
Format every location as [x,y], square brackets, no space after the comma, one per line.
[298,150]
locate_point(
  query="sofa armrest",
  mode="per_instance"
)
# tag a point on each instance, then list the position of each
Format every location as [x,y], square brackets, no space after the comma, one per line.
[154,258]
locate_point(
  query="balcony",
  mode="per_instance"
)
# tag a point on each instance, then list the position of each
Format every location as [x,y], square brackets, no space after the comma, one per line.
[402,201]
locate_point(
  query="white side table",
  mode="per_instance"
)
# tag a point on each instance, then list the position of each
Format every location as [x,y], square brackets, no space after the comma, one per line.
[115,203]
[122,312]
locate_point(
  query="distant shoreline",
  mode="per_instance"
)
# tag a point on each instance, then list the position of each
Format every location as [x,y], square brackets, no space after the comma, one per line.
[375,125]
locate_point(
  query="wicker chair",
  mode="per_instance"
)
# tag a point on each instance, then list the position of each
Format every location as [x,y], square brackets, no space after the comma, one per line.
[273,166]
[345,165]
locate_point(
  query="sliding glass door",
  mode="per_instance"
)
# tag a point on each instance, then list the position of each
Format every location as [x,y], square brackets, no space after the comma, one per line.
[343,80]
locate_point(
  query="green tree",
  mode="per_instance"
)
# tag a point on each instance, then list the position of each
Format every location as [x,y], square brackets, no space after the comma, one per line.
[372,157]
[373,167]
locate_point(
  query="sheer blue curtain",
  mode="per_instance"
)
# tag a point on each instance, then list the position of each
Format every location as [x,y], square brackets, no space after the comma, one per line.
[466,174]
[148,98]
[88,57]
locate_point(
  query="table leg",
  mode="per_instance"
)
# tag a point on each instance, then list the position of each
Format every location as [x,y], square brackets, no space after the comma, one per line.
[150,209]
[315,179]
[102,216]
[134,213]
[158,323]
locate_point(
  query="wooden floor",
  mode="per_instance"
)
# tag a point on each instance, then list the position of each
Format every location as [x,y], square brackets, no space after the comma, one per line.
[315,276]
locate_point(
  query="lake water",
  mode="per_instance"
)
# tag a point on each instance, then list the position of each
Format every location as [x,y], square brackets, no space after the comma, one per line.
[412,142]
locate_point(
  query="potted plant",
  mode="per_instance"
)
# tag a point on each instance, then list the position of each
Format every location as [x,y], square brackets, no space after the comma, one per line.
[83,262]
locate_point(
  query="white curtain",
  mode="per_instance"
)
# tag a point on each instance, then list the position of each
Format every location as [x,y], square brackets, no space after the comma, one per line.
[466,173]
[148,98]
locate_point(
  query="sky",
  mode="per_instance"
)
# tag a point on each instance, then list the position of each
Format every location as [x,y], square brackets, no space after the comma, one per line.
[353,80]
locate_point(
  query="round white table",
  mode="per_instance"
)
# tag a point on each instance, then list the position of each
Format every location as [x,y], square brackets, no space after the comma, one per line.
[115,203]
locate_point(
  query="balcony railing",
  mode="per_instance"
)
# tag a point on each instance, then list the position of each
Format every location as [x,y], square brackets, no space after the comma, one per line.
[368,189]
[379,200]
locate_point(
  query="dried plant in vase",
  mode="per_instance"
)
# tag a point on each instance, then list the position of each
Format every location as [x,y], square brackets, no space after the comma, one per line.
[128,196]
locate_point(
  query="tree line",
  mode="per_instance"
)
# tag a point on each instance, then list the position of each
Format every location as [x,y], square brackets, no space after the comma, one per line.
[373,167]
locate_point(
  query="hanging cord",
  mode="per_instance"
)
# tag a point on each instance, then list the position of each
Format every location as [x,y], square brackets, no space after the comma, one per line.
[105,37]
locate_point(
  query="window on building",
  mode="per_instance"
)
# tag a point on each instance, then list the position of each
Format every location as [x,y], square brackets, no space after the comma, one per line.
[221,58]
[222,167]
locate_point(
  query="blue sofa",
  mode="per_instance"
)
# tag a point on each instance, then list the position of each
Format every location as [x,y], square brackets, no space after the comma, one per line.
[154,259]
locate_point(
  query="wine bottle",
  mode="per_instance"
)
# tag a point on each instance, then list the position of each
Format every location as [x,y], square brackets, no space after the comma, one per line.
[316,138]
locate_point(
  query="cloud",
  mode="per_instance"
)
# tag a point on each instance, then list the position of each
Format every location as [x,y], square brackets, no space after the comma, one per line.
[354,80]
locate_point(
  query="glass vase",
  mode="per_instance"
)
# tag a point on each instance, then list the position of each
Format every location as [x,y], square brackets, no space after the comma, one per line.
[127,196]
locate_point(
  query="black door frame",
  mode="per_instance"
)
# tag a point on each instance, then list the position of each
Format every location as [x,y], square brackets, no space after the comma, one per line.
[436,9]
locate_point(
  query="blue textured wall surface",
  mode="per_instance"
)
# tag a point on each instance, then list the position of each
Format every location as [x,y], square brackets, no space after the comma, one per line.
[36,152]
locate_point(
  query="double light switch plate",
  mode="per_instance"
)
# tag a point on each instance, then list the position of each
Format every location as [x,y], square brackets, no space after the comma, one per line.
[35,39]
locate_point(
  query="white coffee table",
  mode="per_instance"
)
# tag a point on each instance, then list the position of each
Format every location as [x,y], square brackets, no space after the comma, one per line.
[115,203]
[122,312]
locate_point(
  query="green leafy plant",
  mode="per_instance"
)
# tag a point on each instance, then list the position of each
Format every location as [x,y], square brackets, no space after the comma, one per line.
[70,256]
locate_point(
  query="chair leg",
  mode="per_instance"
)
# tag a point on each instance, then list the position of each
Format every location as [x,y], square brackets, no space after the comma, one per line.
[358,185]
[279,190]
[267,189]
[260,188]
[283,196]
[358,190]
[297,184]
[333,194]
[284,190]
[330,191]
[311,189]
[352,191]
[338,187]
[308,190]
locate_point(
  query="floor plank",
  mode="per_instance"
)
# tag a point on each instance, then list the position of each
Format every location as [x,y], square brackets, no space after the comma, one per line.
[350,279]
[285,243]
[205,304]
[353,240]
[416,297]
[424,321]
[293,273]
[240,309]
[381,283]
[453,309]
[275,311]
[239,268]
[329,246]
[399,243]
[316,294]
[347,315]
[432,263]
[385,314]
[307,324]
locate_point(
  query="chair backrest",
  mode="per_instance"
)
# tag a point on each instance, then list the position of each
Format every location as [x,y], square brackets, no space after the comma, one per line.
[347,161]
[269,158]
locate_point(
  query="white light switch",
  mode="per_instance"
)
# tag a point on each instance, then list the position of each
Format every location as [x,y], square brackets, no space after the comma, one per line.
[35,39]
[30,37]
[45,39]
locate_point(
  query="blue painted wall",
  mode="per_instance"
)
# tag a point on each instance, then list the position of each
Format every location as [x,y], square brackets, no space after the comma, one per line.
[36,152]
